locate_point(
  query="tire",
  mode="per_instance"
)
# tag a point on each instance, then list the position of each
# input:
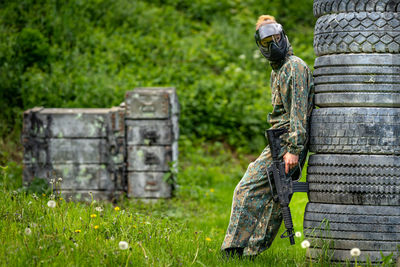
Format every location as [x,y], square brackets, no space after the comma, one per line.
[370,228]
[355,131]
[322,7]
[354,179]
[357,80]
[363,32]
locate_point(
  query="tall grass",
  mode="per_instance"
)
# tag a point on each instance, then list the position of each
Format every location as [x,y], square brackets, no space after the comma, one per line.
[185,230]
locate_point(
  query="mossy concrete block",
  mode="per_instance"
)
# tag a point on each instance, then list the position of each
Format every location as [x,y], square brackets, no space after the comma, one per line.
[149,158]
[148,185]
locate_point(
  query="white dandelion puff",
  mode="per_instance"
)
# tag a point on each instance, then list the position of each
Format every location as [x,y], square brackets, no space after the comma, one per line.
[298,234]
[238,69]
[60,179]
[123,245]
[355,252]
[51,204]
[28,231]
[305,244]
[99,209]
[242,57]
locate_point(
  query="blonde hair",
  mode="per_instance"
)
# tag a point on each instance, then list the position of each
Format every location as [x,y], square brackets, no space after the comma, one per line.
[264,19]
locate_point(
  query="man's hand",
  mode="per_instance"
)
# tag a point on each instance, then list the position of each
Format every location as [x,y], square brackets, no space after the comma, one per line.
[291,161]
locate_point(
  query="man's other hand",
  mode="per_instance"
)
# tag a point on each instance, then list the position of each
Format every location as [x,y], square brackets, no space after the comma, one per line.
[291,161]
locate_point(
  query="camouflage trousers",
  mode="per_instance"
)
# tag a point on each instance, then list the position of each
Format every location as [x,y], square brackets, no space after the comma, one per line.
[255,217]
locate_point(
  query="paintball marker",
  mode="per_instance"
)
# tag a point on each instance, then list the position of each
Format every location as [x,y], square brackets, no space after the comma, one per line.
[284,185]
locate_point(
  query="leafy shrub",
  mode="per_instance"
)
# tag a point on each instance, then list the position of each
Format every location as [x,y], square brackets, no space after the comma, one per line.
[89,53]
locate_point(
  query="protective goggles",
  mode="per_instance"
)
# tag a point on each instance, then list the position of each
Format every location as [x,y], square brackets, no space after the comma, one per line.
[265,34]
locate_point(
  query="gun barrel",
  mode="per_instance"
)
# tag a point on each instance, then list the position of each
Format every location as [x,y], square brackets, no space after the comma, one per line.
[287,219]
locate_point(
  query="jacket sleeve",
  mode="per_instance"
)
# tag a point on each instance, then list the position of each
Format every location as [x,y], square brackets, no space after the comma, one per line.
[297,83]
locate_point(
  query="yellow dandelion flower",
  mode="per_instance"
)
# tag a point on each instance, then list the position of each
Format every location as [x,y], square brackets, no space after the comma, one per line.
[93,215]
[117,208]
[78,231]
[135,226]
[44,194]
[61,198]
[96,227]
[212,190]
[208,239]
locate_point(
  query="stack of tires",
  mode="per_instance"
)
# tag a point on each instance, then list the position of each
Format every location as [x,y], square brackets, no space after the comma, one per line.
[354,174]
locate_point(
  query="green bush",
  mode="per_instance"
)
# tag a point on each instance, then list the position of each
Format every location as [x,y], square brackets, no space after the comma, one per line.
[89,53]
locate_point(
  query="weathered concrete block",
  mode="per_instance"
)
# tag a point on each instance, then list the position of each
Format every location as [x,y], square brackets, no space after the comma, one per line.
[151,103]
[115,180]
[75,176]
[149,132]
[65,150]
[148,185]
[66,123]
[149,158]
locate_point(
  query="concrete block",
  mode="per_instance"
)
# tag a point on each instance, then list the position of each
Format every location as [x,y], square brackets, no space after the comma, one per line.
[148,185]
[149,158]
[151,103]
[149,132]
[66,123]
[65,150]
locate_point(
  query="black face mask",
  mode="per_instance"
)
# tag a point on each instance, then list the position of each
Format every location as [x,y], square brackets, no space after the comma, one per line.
[274,51]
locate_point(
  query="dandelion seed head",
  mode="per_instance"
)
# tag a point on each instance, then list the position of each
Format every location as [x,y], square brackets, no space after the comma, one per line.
[60,179]
[298,234]
[242,57]
[28,231]
[76,245]
[355,252]
[305,244]
[99,209]
[123,245]
[51,204]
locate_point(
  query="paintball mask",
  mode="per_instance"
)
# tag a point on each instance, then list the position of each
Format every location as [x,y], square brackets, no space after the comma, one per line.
[272,47]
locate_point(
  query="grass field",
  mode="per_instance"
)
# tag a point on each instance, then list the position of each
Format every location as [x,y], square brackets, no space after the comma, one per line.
[185,230]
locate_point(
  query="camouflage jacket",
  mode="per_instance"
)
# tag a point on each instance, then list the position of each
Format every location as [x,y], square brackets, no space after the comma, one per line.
[292,89]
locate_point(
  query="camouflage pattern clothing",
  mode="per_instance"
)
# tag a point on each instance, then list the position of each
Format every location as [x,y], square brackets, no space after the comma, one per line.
[255,217]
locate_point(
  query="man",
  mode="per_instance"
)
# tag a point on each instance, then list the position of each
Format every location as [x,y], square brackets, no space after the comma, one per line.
[255,217]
